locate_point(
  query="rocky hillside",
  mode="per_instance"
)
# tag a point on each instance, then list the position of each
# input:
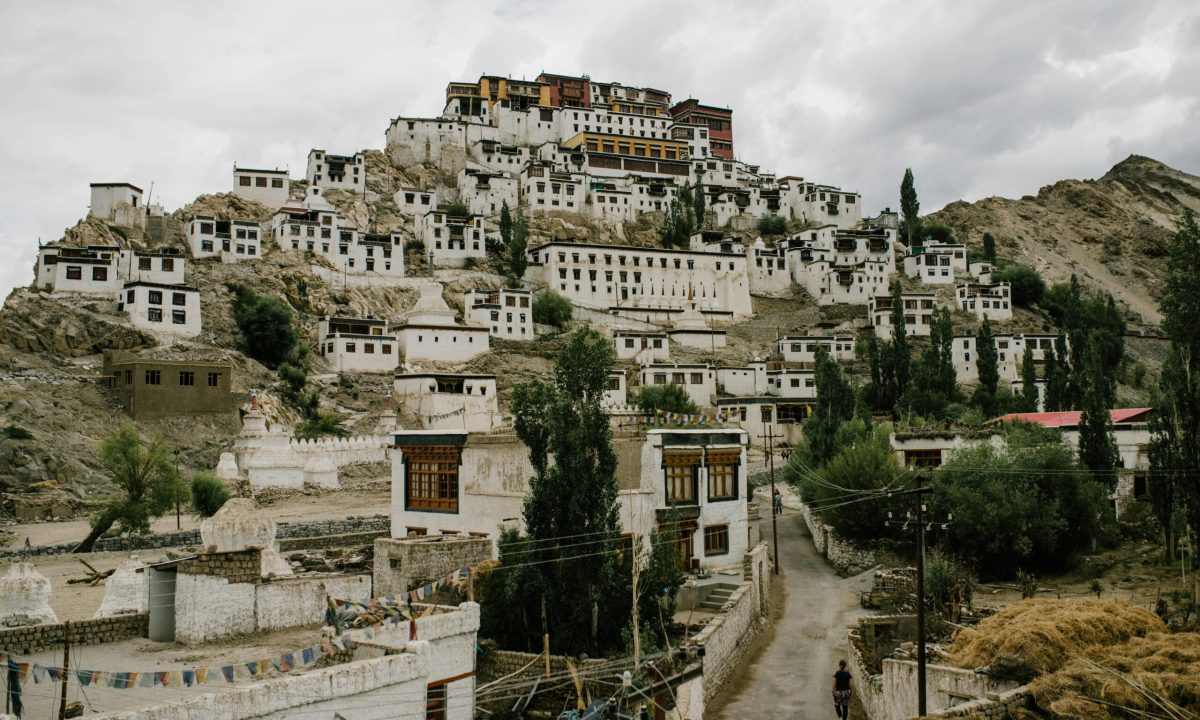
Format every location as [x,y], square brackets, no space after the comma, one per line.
[1113,232]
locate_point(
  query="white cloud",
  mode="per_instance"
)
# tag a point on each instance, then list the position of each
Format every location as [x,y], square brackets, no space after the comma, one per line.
[978,98]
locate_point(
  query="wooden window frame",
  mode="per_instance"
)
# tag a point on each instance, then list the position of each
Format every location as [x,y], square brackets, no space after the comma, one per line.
[713,535]
[681,472]
[434,471]
[723,464]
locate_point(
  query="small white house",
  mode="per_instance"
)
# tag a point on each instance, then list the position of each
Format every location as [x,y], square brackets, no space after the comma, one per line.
[935,264]
[992,301]
[453,241]
[412,201]
[161,268]
[430,331]
[444,401]
[485,193]
[85,271]
[118,203]
[618,389]
[269,187]
[231,240]
[792,383]
[159,308]
[803,348]
[981,271]
[644,346]
[918,314]
[358,344]
[507,313]
[746,380]
[699,380]
[337,172]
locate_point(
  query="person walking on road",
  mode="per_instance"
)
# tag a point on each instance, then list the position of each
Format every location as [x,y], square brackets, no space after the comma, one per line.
[777,502]
[841,690]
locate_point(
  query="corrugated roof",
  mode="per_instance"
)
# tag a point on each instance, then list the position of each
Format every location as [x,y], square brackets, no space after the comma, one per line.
[1071,418]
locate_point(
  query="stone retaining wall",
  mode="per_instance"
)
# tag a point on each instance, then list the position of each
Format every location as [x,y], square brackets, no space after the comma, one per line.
[841,553]
[283,530]
[235,566]
[324,542]
[727,638]
[33,638]
[1000,707]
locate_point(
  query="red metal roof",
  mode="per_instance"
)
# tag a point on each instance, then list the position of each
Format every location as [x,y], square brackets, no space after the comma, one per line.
[1071,418]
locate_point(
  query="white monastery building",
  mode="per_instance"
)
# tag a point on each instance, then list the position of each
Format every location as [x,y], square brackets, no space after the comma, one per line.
[935,264]
[506,313]
[449,401]
[358,344]
[918,314]
[269,187]
[84,271]
[159,308]
[698,380]
[230,240]
[643,346]
[803,348]
[118,203]
[451,240]
[337,172]
[164,267]
[993,301]
[430,332]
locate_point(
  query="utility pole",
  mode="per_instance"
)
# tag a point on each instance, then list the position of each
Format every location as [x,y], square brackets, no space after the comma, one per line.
[919,521]
[62,702]
[769,439]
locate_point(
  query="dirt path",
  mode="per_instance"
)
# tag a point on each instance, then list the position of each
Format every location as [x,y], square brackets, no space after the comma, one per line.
[789,677]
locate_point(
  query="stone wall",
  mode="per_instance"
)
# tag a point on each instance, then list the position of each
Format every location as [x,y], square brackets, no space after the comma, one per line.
[870,641]
[283,530]
[33,638]
[235,566]
[841,553]
[401,565]
[996,706]
[727,638]
[947,689]
[324,542]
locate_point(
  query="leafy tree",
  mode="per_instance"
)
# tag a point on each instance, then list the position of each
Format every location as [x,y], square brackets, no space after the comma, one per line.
[145,472]
[1097,448]
[550,308]
[1027,284]
[910,208]
[1058,391]
[572,495]
[1175,447]
[698,204]
[1026,506]
[863,463]
[516,245]
[458,208]
[834,405]
[506,223]
[1087,319]
[294,379]
[668,398]
[772,225]
[900,358]
[989,248]
[268,332]
[1029,388]
[319,423]
[934,386]
[208,494]
[937,233]
[989,372]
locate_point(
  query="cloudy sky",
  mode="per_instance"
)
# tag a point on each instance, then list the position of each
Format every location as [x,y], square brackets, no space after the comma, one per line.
[979,98]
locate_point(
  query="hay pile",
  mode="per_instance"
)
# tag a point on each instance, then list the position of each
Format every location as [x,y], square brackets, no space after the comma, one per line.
[1154,676]
[1046,634]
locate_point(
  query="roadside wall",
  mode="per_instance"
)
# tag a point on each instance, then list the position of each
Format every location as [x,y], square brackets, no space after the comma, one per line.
[727,638]
[947,688]
[32,638]
[841,553]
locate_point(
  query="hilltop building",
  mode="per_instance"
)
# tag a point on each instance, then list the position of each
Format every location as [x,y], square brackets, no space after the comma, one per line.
[430,332]
[269,187]
[358,344]
[507,313]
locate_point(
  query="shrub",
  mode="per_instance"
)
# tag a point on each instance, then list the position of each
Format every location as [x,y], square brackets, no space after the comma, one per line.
[458,209]
[319,424]
[935,233]
[550,308]
[266,326]
[16,432]
[668,398]
[208,495]
[293,377]
[1027,285]
[414,245]
[772,225]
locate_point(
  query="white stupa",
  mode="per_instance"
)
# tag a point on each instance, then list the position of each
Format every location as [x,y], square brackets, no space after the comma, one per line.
[25,596]
[126,590]
[239,525]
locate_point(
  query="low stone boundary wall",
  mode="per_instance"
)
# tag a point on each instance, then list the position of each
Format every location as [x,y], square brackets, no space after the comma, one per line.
[283,531]
[324,542]
[997,708]
[32,638]
[841,553]
[727,638]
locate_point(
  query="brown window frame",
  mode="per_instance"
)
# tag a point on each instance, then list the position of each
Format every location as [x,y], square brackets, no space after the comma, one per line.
[716,540]
[723,474]
[434,472]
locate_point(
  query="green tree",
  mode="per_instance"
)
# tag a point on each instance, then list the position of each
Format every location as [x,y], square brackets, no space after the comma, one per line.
[834,405]
[208,494]
[506,223]
[667,398]
[1097,448]
[989,372]
[937,233]
[265,323]
[989,248]
[1058,392]
[550,308]
[516,245]
[1026,506]
[1175,447]
[900,359]
[146,475]
[910,208]
[772,225]
[458,208]
[1029,388]
[1087,319]
[1027,284]
[698,204]
[934,385]
[572,495]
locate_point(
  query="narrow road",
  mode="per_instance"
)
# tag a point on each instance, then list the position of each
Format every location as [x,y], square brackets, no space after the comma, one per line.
[791,676]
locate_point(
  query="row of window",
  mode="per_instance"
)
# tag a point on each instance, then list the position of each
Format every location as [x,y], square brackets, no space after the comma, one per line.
[261,182]
[99,273]
[187,378]
[242,248]
[636,260]
[155,297]
[155,315]
[368,348]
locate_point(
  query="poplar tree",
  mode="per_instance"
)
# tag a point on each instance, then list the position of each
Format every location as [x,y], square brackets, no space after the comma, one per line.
[900,361]
[506,223]
[834,406]
[517,245]
[989,247]
[1097,448]
[1029,389]
[989,373]
[910,208]
[698,203]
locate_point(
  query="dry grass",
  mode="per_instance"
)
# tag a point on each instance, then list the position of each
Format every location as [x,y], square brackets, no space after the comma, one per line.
[1154,676]
[1046,634]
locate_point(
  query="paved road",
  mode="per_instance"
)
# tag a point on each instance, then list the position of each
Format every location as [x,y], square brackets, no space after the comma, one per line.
[791,677]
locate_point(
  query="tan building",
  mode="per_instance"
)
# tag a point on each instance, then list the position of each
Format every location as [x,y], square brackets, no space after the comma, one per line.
[150,388]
